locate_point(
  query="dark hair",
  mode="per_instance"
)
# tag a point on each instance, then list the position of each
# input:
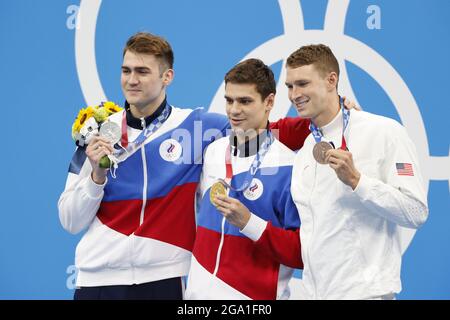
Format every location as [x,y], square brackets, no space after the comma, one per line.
[253,71]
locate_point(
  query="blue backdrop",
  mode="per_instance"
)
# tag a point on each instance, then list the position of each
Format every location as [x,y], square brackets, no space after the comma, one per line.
[58,56]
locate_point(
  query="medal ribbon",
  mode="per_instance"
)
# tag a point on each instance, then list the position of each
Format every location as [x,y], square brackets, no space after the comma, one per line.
[253,167]
[124,138]
[317,134]
[148,131]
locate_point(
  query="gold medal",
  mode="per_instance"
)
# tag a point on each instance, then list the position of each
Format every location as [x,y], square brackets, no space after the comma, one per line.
[217,189]
[320,150]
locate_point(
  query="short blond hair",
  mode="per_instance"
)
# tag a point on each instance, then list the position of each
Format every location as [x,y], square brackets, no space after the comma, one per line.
[319,55]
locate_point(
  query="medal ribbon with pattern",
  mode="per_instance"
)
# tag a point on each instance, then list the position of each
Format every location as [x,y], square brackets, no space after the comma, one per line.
[317,134]
[253,167]
[129,147]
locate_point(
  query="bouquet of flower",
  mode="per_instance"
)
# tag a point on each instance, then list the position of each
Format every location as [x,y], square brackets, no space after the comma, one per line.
[88,123]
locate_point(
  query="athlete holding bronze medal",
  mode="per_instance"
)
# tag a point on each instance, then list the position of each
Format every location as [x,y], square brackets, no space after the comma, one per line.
[351,203]
[321,147]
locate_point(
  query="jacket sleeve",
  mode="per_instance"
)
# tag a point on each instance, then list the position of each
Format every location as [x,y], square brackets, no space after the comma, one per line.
[292,132]
[398,195]
[81,198]
[214,125]
[280,242]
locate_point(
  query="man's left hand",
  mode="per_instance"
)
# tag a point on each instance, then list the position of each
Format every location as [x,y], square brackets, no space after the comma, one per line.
[233,210]
[342,162]
[348,104]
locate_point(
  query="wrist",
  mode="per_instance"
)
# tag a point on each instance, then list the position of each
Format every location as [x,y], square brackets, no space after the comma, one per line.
[98,179]
[355,180]
[244,220]
[254,228]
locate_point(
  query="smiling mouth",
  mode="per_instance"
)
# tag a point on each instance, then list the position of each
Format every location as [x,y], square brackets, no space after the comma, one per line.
[302,102]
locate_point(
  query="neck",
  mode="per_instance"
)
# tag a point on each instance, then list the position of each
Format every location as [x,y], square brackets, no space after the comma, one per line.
[332,109]
[147,110]
[244,136]
[248,145]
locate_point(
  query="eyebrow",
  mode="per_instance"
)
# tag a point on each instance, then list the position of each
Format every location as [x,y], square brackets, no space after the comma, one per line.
[297,82]
[238,98]
[137,68]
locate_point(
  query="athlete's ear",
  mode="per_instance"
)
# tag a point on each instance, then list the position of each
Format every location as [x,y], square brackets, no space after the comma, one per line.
[168,76]
[269,102]
[332,81]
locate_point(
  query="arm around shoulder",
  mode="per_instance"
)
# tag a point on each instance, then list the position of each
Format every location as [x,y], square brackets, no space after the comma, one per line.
[281,244]
[291,131]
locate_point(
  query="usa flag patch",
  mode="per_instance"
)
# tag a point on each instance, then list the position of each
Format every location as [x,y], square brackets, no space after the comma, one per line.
[404,169]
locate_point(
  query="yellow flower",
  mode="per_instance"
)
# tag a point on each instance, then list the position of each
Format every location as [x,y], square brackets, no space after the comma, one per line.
[111,107]
[100,114]
[83,115]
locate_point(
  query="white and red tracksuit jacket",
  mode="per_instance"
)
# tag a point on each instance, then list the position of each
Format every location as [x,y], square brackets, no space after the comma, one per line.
[256,262]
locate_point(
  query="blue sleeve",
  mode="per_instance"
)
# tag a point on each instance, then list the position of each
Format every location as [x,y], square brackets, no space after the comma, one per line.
[77,160]
[287,210]
[214,125]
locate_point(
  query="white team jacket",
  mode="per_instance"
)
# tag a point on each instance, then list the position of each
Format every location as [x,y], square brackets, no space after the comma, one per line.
[351,245]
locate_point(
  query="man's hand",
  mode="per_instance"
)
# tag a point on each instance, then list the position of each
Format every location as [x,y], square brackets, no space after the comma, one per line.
[96,149]
[350,104]
[342,162]
[233,210]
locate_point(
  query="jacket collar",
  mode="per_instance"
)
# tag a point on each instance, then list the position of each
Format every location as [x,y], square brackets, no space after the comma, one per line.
[250,147]
[136,123]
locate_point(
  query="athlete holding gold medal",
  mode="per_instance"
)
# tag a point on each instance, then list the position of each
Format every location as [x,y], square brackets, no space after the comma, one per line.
[217,189]
[247,241]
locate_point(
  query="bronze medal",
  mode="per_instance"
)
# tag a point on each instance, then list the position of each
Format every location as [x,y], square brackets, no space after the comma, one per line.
[319,151]
[217,189]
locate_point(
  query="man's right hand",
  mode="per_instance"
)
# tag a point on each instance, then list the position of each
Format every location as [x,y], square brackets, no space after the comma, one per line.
[96,149]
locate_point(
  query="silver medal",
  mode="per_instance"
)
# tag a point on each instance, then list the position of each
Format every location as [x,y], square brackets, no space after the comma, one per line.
[111,131]
[319,151]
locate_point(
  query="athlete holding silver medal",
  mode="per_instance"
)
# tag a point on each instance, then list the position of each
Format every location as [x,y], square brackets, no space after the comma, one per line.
[112,133]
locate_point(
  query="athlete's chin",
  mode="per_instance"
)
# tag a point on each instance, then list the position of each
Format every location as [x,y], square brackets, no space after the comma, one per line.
[135,100]
[303,113]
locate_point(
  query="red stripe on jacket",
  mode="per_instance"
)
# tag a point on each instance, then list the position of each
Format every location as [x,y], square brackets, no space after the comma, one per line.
[177,226]
[243,265]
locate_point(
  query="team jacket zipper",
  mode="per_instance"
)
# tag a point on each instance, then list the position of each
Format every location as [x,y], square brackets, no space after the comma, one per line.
[144,188]
[312,232]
